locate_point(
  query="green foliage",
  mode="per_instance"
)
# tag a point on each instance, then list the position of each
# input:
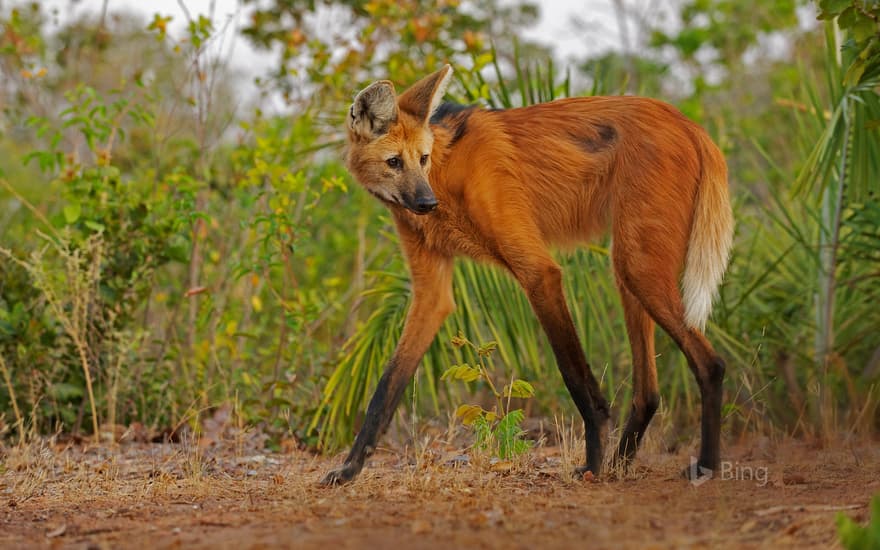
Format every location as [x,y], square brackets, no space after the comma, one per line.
[729,27]
[861,21]
[497,431]
[465,373]
[855,537]
[532,83]
[183,311]
[109,235]
[397,39]
[846,135]
[840,171]
[509,435]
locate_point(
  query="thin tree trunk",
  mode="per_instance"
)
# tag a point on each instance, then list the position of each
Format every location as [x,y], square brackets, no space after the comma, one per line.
[829,243]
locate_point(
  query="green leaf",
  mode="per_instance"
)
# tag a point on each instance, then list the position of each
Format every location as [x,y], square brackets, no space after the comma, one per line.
[178,249]
[65,392]
[848,18]
[110,172]
[95,226]
[6,328]
[863,29]
[487,348]
[511,421]
[508,434]
[855,537]
[690,40]
[482,60]
[855,72]
[465,373]
[280,402]
[519,388]
[72,212]
[830,8]
[469,413]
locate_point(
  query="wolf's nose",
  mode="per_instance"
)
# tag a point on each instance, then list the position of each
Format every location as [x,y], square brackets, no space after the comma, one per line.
[426,204]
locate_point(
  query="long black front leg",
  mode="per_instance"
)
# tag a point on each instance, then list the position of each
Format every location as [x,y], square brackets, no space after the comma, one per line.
[432,303]
[379,413]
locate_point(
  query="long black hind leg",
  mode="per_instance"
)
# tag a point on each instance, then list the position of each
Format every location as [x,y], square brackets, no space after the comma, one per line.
[657,291]
[541,279]
[646,396]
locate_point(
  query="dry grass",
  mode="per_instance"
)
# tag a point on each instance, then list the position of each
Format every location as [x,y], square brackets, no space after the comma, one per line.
[231,493]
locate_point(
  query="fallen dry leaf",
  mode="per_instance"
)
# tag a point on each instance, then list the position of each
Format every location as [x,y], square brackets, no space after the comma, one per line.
[793,479]
[501,466]
[57,532]
[808,508]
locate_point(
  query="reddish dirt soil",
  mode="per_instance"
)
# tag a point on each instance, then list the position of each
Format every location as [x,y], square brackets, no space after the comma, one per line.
[174,496]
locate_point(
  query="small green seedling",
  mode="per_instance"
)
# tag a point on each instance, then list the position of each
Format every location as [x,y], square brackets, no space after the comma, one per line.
[855,537]
[498,431]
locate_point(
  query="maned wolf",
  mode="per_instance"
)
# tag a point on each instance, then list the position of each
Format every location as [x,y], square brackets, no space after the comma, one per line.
[505,185]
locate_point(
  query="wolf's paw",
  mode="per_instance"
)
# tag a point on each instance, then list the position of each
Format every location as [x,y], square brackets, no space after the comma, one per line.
[341,476]
[586,473]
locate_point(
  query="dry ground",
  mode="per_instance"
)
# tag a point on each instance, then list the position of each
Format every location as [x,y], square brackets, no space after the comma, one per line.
[141,495]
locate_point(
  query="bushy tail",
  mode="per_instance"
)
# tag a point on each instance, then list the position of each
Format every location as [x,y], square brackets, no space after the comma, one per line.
[711,237]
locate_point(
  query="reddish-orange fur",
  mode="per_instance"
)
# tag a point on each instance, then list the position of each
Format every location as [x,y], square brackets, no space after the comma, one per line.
[512,184]
[521,170]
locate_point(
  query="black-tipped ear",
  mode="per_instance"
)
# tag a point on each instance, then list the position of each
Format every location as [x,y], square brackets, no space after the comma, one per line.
[423,97]
[373,110]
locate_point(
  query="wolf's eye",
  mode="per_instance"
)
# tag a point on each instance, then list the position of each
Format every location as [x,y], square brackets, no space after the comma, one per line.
[424,160]
[394,162]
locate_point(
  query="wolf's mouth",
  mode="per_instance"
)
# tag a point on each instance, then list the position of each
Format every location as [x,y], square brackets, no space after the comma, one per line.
[423,208]
[420,207]
[383,198]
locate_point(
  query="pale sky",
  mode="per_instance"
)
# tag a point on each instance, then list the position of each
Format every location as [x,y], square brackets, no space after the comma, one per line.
[571,28]
[568,26]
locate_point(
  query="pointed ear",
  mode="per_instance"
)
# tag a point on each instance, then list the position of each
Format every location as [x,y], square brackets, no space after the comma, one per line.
[423,97]
[373,110]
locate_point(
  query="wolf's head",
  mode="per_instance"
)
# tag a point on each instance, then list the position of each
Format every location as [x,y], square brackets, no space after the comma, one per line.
[390,142]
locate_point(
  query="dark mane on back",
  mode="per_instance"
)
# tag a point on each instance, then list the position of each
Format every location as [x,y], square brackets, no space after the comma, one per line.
[449,109]
[453,117]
